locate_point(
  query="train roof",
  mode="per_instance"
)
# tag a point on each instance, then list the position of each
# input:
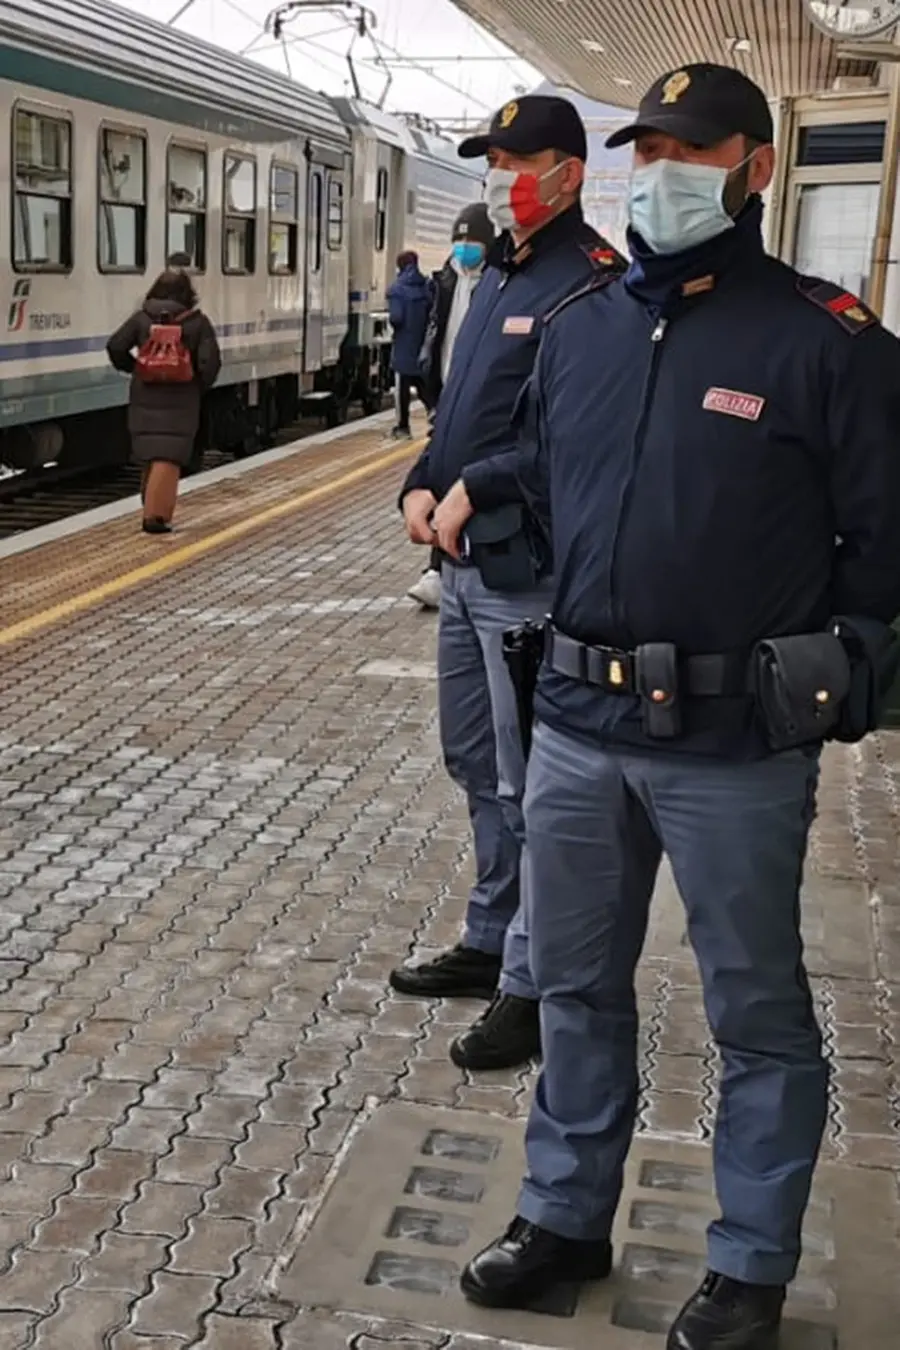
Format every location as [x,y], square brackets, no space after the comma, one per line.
[412,139]
[176,77]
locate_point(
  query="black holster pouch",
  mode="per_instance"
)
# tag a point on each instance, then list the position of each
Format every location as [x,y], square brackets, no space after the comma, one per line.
[873,652]
[800,683]
[656,678]
[500,546]
[523,651]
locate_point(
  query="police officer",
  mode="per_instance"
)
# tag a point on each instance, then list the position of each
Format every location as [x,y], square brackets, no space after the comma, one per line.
[536,149]
[724,488]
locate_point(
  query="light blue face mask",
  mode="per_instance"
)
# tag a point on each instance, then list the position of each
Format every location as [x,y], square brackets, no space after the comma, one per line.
[468,254]
[675,206]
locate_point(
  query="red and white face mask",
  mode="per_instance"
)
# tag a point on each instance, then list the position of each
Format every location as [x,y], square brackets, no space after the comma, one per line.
[514,200]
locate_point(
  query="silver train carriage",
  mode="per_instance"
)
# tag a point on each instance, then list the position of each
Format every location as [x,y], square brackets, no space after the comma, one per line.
[131,141]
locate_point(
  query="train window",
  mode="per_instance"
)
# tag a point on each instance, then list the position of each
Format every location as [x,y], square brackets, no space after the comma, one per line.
[42,204]
[239,216]
[284,208]
[122,218]
[335,213]
[314,225]
[381,210]
[186,205]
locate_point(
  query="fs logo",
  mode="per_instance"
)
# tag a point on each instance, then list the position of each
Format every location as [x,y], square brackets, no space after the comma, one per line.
[18,306]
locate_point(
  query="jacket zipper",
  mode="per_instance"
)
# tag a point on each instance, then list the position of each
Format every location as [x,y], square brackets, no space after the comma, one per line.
[637,446]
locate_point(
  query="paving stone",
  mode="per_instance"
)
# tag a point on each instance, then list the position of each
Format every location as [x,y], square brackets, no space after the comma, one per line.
[175,1307]
[36,1279]
[124,1263]
[83,1321]
[162,1208]
[76,1225]
[245,1333]
[212,1246]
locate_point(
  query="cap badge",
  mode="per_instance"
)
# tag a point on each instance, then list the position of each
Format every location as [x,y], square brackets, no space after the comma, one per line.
[508,115]
[675,86]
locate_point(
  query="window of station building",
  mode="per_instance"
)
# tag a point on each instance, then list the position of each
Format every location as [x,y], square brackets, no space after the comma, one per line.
[841,143]
[381,210]
[239,215]
[122,218]
[284,210]
[42,195]
[186,204]
[335,213]
[314,225]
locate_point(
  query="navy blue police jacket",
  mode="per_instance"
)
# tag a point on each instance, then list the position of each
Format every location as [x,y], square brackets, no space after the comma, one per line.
[714,444]
[498,341]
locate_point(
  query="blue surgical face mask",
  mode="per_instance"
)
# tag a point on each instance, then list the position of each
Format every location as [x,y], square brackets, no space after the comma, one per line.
[675,206]
[468,254]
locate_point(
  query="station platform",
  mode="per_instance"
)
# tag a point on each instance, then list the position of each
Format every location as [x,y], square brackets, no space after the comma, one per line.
[223,818]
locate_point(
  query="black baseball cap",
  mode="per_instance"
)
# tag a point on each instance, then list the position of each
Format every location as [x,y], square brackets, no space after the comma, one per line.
[529,124]
[703,104]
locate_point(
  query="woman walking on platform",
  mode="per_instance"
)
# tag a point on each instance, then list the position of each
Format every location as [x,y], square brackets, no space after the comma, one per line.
[170,350]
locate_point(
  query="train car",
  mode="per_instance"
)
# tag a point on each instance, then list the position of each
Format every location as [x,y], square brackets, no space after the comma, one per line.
[130,142]
[408,187]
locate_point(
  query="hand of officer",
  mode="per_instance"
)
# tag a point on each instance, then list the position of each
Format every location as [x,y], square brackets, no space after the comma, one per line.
[417,508]
[451,516]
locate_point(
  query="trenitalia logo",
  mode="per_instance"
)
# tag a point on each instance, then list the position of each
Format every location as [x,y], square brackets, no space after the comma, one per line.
[18,306]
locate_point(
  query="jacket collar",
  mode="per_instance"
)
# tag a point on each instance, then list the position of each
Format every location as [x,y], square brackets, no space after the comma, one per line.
[662,281]
[508,258]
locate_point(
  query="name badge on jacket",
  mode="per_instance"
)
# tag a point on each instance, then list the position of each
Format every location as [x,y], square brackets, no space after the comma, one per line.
[734,404]
[519,326]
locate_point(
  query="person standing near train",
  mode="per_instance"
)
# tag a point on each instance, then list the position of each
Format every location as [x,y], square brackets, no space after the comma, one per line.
[454,285]
[409,301]
[170,350]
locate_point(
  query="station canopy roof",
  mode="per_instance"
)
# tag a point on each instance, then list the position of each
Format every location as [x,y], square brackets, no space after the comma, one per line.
[612,50]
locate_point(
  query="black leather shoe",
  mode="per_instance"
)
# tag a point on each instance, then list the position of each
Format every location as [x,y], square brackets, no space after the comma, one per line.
[527,1262]
[155,525]
[506,1035]
[727,1315]
[460,973]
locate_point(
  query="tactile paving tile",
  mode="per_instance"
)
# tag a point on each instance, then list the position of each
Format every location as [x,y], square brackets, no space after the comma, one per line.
[420,1191]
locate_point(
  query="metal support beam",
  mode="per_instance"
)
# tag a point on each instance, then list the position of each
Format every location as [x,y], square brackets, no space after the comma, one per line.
[884,229]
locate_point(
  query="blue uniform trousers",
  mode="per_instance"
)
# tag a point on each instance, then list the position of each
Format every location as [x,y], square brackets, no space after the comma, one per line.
[597,822]
[482,744]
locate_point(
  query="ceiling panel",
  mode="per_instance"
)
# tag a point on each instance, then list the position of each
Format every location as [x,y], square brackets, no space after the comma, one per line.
[614,49]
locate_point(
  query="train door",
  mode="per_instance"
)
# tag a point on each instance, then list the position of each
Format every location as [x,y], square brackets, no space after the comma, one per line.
[336,262]
[313,266]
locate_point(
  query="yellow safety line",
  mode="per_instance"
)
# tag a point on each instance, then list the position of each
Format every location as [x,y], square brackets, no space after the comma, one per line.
[168,561]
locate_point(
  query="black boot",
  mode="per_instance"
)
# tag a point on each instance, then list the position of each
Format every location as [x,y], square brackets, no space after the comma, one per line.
[527,1262]
[155,525]
[506,1035]
[460,973]
[727,1315]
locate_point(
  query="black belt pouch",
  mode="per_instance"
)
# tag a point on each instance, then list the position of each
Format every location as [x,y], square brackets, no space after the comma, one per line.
[656,675]
[801,683]
[499,546]
[873,650]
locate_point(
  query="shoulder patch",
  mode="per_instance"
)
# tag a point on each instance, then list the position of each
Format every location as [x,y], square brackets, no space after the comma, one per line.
[845,308]
[596,283]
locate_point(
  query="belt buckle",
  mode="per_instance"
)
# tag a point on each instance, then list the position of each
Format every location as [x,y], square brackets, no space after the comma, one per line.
[615,673]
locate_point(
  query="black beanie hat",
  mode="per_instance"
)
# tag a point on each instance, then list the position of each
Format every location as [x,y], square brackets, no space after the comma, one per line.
[474,223]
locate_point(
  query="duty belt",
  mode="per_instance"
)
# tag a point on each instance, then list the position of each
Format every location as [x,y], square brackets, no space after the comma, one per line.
[619,672]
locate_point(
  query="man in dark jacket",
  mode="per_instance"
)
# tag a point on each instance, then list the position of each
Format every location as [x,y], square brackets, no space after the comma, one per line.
[472,239]
[724,495]
[409,301]
[536,149]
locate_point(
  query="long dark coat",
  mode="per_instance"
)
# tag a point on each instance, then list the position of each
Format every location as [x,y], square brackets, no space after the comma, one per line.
[163,419]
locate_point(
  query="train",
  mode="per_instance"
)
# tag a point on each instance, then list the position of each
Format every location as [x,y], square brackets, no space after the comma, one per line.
[132,142]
